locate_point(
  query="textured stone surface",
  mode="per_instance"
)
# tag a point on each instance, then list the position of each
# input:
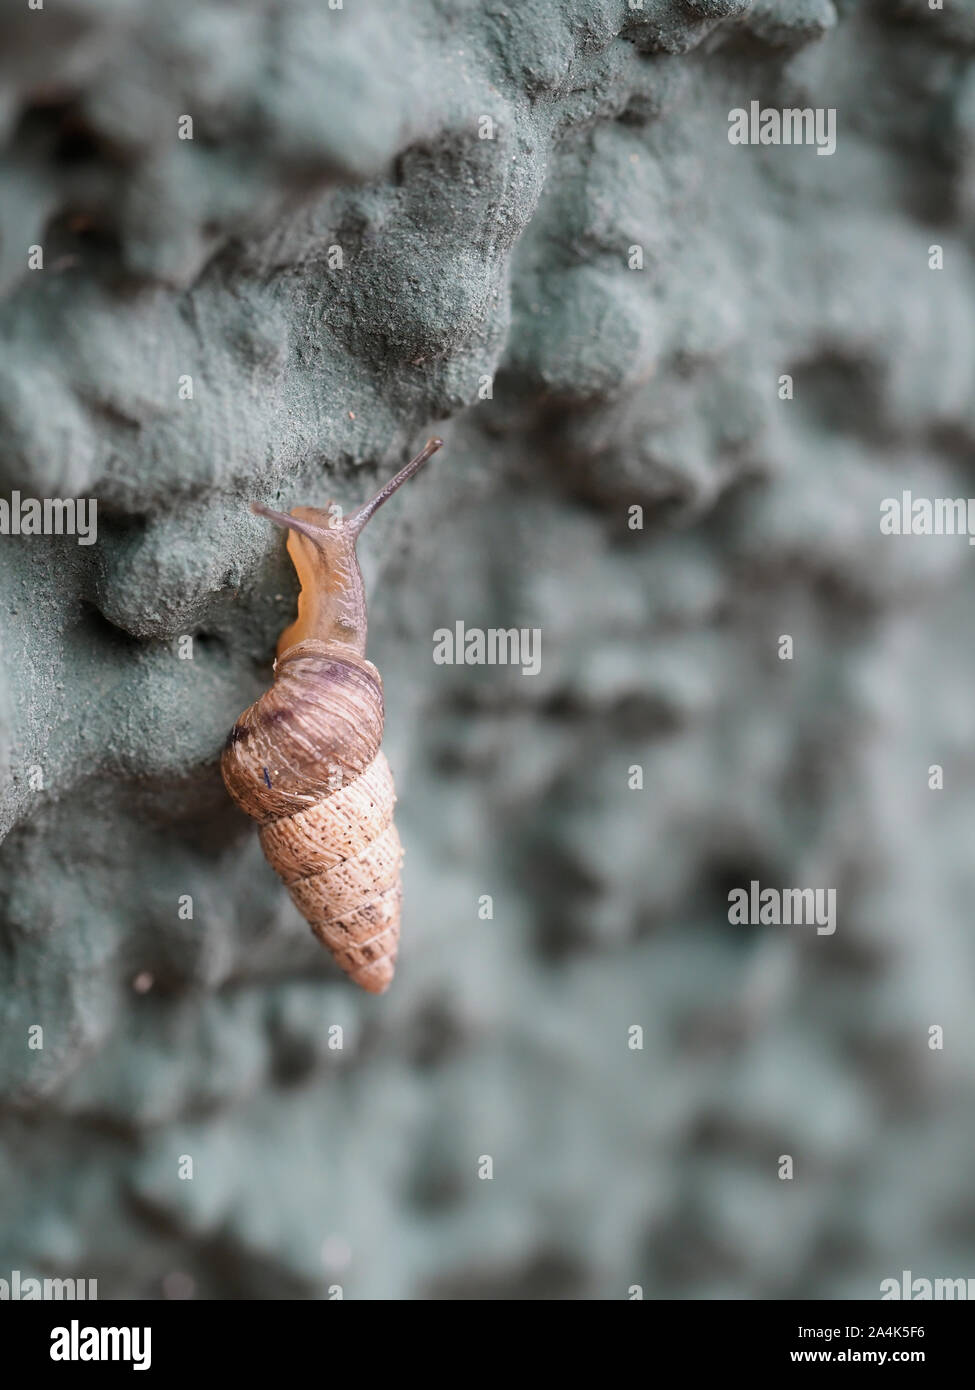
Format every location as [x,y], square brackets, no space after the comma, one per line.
[464,259]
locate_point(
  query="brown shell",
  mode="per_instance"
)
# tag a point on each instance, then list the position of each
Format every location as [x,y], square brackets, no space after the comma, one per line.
[304,760]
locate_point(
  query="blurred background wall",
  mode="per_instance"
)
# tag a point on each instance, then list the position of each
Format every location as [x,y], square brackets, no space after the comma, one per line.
[486,173]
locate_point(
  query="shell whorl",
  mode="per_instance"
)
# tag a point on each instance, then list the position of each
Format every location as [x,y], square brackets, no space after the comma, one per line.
[304,760]
[319,726]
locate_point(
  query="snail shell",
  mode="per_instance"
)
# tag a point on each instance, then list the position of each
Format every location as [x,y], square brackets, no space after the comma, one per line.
[305,760]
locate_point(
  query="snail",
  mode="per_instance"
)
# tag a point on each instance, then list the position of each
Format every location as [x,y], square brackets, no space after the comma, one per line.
[305,759]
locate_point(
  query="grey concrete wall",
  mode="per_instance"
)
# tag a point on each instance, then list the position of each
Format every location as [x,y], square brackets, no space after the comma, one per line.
[468,263]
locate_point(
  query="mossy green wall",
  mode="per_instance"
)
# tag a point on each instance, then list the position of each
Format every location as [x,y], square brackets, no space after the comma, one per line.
[472,266]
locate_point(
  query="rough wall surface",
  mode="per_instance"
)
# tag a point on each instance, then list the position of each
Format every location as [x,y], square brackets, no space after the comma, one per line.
[485,171]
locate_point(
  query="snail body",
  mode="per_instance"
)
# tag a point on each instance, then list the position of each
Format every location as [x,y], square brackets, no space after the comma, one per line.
[305,759]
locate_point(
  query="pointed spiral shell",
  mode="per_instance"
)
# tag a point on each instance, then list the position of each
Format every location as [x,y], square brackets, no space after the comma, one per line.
[304,760]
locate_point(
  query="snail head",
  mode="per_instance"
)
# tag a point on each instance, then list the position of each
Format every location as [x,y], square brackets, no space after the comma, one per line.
[332,604]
